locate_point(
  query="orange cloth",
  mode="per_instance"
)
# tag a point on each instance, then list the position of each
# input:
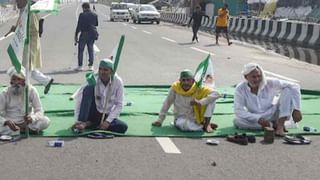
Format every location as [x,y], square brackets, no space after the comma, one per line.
[223,18]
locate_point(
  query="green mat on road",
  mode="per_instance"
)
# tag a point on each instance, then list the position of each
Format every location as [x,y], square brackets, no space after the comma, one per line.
[146,102]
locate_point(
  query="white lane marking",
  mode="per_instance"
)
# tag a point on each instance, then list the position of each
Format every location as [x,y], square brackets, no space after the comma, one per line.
[167,145]
[5,37]
[77,12]
[280,76]
[168,39]
[203,51]
[124,24]
[133,27]
[147,32]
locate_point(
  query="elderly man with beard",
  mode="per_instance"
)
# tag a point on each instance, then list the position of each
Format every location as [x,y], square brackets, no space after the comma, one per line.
[193,106]
[261,102]
[13,119]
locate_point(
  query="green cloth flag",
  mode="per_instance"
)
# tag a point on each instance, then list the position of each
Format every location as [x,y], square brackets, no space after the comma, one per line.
[116,53]
[19,41]
[45,6]
[204,74]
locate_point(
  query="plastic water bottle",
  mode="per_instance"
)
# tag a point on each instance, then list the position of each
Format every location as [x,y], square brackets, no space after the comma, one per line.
[56,143]
[224,95]
[309,129]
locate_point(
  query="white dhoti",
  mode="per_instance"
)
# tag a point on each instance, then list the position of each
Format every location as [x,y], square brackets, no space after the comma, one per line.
[185,124]
[38,125]
[287,102]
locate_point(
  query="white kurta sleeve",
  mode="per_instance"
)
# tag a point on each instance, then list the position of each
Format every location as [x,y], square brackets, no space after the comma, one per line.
[240,108]
[78,99]
[36,105]
[294,90]
[118,102]
[166,105]
[2,108]
[214,95]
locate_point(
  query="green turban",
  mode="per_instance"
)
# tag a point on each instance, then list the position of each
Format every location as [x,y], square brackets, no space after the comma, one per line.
[106,63]
[186,74]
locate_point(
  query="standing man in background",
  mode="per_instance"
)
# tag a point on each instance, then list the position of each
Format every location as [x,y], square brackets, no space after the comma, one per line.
[197,18]
[222,23]
[36,29]
[87,25]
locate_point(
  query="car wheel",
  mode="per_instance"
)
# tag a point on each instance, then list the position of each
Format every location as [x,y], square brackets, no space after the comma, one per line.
[158,22]
[111,19]
[139,21]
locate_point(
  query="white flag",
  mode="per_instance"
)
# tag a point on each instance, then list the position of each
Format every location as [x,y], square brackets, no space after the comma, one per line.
[45,6]
[16,47]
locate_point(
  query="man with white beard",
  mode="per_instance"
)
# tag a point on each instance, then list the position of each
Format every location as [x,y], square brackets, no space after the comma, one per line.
[13,119]
[261,102]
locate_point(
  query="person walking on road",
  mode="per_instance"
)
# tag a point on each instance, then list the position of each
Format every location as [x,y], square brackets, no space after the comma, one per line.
[222,23]
[87,27]
[35,47]
[197,18]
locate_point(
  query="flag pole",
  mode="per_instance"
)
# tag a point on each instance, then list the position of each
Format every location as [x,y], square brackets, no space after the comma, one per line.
[28,68]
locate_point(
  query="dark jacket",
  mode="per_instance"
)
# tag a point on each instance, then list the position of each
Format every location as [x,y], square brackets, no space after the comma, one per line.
[197,18]
[87,23]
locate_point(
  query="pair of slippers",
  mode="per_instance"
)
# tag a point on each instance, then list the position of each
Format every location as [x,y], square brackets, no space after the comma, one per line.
[98,135]
[297,139]
[242,139]
[94,135]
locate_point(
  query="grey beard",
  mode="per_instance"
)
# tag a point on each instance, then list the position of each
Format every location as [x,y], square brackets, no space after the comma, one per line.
[16,90]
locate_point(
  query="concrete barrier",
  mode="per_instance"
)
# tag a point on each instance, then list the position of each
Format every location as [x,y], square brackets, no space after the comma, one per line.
[292,32]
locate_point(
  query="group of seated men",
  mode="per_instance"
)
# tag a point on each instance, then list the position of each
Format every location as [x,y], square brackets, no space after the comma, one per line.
[258,102]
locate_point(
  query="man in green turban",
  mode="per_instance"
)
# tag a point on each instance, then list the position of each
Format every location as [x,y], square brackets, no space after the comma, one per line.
[193,106]
[99,104]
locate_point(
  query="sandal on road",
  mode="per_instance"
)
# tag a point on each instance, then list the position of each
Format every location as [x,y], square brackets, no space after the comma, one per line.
[297,139]
[238,139]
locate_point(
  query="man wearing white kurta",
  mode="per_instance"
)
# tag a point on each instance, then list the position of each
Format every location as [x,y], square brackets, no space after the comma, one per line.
[261,102]
[106,92]
[13,118]
[182,95]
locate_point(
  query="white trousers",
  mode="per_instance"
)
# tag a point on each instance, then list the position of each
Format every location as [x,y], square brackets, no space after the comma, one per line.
[284,108]
[39,125]
[40,77]
[185,124]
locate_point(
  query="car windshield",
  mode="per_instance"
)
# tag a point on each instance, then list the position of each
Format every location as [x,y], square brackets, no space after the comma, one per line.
[147,8]
[119,6]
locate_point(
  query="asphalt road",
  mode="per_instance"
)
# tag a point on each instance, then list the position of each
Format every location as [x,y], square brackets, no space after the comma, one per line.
[154,54]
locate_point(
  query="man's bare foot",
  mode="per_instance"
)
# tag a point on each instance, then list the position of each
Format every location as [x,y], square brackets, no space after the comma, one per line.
[209,129]
[296,115]
[81,125]
[156,123]
[280,131]
[213,125]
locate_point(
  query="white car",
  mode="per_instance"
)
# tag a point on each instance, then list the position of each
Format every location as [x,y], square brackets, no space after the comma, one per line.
[146,12]
[119,12]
